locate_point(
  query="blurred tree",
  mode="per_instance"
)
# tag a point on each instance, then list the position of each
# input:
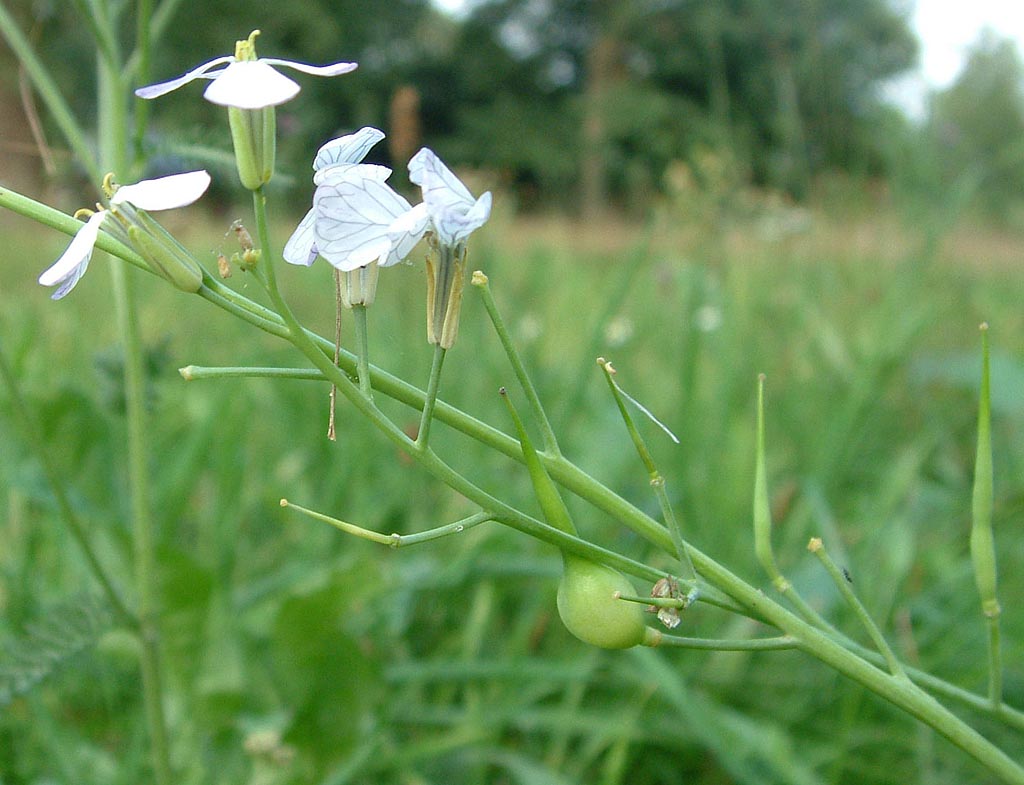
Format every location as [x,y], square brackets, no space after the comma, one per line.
[790,86]
[978,125]
[581,102]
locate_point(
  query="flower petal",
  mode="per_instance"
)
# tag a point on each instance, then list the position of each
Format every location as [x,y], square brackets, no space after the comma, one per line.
[335,69]
[459,226]
[353,218]
[200,72]
[454,212]
[405,231]
[437,180]
[251,84]
[342,172]
[73,263]
[164,193]
[350,149]
[301,246]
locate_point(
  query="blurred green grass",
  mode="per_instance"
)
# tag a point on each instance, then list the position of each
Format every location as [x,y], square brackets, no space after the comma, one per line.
[296,654]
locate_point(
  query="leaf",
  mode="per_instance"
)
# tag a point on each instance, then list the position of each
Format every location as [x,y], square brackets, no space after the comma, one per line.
[48,644]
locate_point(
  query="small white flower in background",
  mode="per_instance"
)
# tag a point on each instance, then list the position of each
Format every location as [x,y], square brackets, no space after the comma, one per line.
[163,193]
[708,318]
[356,218]
[246,83]
[454,214]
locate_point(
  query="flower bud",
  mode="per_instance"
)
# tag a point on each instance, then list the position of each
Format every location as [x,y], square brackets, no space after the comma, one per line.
[164,254]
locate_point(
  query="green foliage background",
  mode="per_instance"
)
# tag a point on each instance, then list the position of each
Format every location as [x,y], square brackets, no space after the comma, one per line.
[296,655]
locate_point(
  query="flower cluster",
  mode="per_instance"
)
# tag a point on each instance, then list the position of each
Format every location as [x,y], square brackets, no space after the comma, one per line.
[357,222]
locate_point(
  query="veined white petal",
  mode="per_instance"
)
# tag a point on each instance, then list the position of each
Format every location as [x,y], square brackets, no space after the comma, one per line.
[453,211]
[251,84]
[474,218]
[164,193]
[405,231]
[349,149]
[335,69]
[72,264]
[199,72]
[437,180]
[341,172]
[301,246]
[353,219]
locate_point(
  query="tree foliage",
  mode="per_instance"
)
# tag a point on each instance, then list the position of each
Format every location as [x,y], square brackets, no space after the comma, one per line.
[565,99]
[978,125]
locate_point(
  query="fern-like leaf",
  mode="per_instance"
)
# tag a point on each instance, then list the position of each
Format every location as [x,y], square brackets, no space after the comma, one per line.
[46,644]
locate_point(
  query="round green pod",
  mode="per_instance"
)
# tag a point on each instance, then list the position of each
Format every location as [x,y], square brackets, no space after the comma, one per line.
[590,610]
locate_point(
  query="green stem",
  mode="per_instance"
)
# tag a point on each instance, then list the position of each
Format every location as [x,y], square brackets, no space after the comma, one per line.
[161,19]
[568,475]
[427,417]
[49,92]
[363,355]
[896,689]
[481,282]
[656,478]
[35,441]
[817,547]
[197,372]
[113,128]
[780,643]
[142,526]
[141,73]
[394,540]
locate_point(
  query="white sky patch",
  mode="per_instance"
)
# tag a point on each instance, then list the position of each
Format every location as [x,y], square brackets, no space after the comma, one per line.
[948,29]
[456,8]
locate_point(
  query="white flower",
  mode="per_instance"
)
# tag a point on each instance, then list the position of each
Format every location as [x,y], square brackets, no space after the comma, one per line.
[351,221]
[359,219]
[246,83]
[163,193]
[454,214]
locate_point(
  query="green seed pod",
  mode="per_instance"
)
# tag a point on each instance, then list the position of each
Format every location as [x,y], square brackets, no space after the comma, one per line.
[590,609]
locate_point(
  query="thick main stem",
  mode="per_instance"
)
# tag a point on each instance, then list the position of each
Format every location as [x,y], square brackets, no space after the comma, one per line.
[142,526]
[113,125]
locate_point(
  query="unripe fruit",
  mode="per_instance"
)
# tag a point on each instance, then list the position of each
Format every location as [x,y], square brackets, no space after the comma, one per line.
[589,606]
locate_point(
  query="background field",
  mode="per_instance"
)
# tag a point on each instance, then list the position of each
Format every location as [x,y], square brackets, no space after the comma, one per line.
[449,656]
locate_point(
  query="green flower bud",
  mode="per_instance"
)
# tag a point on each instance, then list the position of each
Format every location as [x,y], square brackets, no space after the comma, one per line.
[164,254]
